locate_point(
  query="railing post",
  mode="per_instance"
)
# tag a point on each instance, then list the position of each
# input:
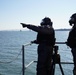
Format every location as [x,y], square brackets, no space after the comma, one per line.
[23,60]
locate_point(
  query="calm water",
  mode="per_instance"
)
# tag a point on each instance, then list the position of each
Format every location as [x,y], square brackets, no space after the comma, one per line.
[11,57]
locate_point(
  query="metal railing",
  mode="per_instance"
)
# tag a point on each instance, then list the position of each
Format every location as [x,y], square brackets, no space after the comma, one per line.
[23,57]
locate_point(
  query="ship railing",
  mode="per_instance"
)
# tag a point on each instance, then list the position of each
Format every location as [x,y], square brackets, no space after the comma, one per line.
[23,57]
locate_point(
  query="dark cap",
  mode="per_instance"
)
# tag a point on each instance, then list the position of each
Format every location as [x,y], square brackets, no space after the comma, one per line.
[46,21]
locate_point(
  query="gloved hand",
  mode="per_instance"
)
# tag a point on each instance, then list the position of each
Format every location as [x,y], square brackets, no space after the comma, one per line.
[24,25]
[35,41]
[32,41]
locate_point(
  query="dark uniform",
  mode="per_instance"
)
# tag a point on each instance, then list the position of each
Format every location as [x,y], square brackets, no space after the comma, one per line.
[46,41]
[71,41]
[45,50]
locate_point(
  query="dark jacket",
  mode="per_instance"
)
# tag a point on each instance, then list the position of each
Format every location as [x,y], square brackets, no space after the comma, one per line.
[71,41]
[46,34]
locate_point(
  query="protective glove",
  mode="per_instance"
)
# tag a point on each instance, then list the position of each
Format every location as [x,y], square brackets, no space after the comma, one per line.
[35,41]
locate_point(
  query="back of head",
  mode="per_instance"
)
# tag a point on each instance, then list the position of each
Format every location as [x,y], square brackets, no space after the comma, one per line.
[72,19]
[46,21]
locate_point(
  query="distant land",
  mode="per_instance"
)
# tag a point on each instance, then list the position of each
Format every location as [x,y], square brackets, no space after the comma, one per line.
[28,29]
[62,29]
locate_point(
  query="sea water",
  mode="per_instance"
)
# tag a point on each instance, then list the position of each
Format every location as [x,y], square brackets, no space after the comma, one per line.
[11,52]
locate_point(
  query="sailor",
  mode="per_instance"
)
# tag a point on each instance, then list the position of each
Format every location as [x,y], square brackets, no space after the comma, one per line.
[45,40]
[71,41]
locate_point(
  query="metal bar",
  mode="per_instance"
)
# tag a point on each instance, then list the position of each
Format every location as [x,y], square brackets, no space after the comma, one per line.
[55,43]
[60,42]
[29,64]
[27,44]
[66,62]
[23,60]
[61,69]
[61,62]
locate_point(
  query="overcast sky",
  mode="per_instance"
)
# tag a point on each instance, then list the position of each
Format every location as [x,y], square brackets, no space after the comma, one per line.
[13,12]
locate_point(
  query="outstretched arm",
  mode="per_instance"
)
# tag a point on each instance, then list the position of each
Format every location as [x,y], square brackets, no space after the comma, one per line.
[24,25]
[32,27]
[40,29]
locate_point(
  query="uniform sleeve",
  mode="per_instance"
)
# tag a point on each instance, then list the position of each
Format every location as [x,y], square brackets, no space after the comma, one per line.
[40,29]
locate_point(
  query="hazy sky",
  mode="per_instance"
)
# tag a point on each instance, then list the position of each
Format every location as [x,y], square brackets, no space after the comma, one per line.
[13,12]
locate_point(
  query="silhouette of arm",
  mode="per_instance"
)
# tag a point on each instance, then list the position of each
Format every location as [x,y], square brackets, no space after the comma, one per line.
[40,29]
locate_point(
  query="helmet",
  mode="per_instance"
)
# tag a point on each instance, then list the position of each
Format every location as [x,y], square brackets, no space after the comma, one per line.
[72,19]
[46,21]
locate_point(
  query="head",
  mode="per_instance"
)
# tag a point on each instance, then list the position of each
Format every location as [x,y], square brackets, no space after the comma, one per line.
[46,21]
[72,20]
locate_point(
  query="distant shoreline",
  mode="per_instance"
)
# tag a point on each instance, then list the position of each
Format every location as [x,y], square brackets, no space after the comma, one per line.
[28,30]
[62,29]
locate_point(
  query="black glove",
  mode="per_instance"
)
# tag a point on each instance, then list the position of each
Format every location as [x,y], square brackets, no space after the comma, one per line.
[35,41]
[23,25]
